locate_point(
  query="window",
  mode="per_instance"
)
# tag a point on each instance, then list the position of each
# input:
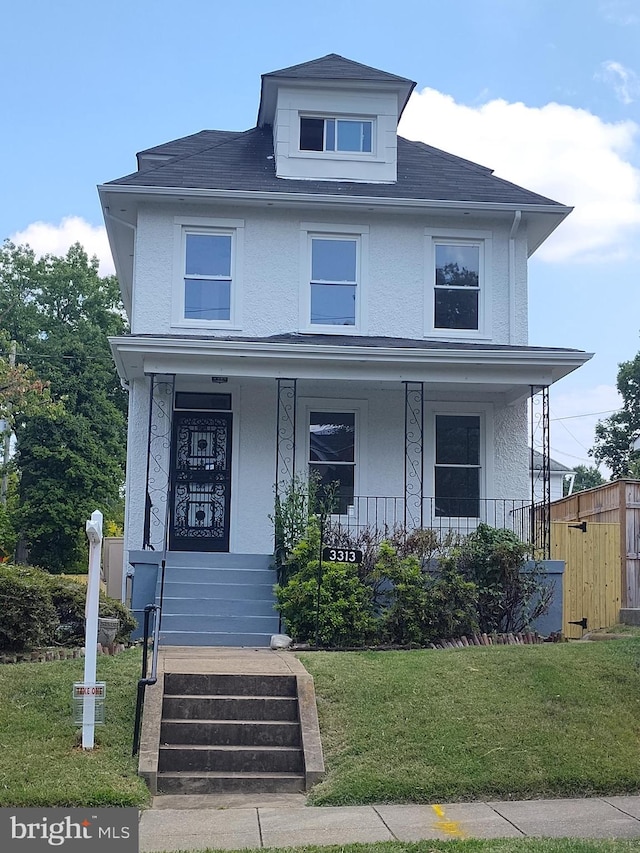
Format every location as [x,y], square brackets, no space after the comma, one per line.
[332,454]
[336,134]
[334,275]
[208,276]
[457,468]
[457,285]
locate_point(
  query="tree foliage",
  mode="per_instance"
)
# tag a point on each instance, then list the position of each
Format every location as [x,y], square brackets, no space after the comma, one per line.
[615,434]
[587,477]
[60,312]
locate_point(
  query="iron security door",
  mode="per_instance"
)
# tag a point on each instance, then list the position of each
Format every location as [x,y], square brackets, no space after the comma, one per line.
[201,493]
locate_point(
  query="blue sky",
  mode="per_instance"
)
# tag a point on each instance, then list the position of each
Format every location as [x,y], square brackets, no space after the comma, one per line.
[545,92]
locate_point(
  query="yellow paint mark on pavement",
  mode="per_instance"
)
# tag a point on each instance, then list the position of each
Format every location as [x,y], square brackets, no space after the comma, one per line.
[448,827]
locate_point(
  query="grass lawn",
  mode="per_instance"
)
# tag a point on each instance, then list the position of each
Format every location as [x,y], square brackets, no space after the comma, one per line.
[505,722]
[42,762]
[501,845]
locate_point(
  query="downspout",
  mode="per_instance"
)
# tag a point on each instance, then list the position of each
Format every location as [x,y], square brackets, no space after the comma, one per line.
[512,275]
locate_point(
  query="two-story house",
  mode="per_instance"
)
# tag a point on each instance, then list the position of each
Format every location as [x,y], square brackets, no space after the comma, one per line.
[317,295]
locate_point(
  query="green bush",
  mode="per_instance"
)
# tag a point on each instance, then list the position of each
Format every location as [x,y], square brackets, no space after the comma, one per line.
[510,597]
[29,618]
[345,612]
[39,609]
[422,607]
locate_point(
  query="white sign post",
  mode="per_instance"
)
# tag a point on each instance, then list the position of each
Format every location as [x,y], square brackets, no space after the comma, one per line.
[94,534]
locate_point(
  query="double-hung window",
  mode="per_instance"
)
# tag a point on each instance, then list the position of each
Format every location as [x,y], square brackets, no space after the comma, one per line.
[334,280]
[336,134]
[207,272]
[457,466]
[332,454]
[459,300]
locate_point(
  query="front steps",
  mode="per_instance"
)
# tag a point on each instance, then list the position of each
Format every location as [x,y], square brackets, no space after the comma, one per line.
[218,600]
[230,733]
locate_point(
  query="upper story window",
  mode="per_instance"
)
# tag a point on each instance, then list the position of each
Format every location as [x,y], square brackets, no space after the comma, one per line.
[334,279]
[207,276]
[336,134]
[207,272]
[457,287]
[459,304]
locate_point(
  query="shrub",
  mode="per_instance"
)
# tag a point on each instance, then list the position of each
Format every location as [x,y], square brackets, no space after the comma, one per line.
[510,597]
[345,613]
[39,609]
[29,618]
[422,607]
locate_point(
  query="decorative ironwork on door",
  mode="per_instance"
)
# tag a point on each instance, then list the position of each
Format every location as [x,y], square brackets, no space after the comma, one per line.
[201,481]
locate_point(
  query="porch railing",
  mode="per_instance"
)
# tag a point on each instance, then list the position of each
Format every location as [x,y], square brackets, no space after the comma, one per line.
[385,516]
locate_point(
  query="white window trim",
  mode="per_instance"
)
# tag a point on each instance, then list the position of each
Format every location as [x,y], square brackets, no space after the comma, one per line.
[337,154]
[484,411]
[360,233]
[184,225]
[360,409]
[483,239]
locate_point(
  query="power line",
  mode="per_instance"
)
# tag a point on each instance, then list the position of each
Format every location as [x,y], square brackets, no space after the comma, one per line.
[587,415]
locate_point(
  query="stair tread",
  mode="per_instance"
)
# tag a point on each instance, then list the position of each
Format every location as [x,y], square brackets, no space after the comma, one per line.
[230,748]
[232,722]
[226,696]
[231,774]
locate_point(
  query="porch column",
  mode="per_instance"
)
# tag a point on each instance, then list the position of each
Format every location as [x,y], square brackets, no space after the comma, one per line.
[539,428]
[158,480]
[413,454]
[285,434]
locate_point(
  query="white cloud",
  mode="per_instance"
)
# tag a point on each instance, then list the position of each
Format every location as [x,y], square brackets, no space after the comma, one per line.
[46,238]
[624,81]
[622,12]
[564,153]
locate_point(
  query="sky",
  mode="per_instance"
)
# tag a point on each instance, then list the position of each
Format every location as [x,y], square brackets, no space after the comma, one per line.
[545,92]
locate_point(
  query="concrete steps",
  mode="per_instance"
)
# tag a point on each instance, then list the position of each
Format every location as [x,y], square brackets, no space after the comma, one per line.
[214,599]
[230,733]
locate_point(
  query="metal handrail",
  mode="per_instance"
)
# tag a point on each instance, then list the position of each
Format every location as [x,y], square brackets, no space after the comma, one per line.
[153,677]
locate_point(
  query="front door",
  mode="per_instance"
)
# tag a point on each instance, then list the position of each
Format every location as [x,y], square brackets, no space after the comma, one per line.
[201,481]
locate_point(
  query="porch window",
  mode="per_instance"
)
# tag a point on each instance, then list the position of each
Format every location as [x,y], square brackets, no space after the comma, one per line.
[457,468]
[457,286]
[334,280]
[332,454]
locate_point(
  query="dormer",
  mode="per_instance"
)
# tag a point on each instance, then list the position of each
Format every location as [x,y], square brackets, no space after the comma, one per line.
[334,120]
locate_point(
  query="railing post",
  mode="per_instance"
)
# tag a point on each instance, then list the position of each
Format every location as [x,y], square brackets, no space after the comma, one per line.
[540,442]
[413,453]
[158,479]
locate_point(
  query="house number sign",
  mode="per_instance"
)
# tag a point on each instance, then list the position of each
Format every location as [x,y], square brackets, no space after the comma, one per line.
[341,555]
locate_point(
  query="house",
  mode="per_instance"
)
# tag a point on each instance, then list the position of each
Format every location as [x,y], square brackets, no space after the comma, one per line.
[558,475]
[317,294]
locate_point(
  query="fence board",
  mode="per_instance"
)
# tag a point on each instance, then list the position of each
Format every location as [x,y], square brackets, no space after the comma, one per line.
[592,580]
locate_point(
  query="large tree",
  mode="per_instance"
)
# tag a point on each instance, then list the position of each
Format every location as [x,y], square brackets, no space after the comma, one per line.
[587,476]
[615,434]
[60,312]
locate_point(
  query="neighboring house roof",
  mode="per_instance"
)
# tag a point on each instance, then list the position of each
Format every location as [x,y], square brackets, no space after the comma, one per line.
[245,161]
[553,465]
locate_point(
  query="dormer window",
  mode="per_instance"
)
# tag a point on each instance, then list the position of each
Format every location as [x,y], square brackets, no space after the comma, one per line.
[336,134]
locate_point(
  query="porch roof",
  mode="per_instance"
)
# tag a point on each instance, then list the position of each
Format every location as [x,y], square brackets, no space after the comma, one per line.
[452,366]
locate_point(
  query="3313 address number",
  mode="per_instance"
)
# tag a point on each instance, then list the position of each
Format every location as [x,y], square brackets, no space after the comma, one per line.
[341,555]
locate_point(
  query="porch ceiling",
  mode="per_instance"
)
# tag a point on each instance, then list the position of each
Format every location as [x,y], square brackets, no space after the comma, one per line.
[480,368]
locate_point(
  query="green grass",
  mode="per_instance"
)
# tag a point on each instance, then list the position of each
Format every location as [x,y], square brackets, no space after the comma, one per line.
[506,722]
[42,762]
[500,845]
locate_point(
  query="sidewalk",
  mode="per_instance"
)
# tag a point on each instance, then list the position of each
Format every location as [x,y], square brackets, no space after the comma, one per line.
[195,823]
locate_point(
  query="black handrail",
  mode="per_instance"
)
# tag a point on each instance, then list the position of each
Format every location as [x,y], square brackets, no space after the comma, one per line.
[146,680]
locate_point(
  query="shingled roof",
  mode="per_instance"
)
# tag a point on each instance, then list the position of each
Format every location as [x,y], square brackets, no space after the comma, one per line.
[244,161]
[336,67]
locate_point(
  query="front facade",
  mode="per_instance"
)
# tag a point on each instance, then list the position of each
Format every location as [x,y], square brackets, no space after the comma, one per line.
[320,296]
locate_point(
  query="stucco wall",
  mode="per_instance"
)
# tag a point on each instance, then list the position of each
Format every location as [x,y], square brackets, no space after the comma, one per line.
[396,297]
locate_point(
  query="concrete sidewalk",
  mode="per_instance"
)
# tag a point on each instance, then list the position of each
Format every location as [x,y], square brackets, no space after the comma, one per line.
[197,823]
